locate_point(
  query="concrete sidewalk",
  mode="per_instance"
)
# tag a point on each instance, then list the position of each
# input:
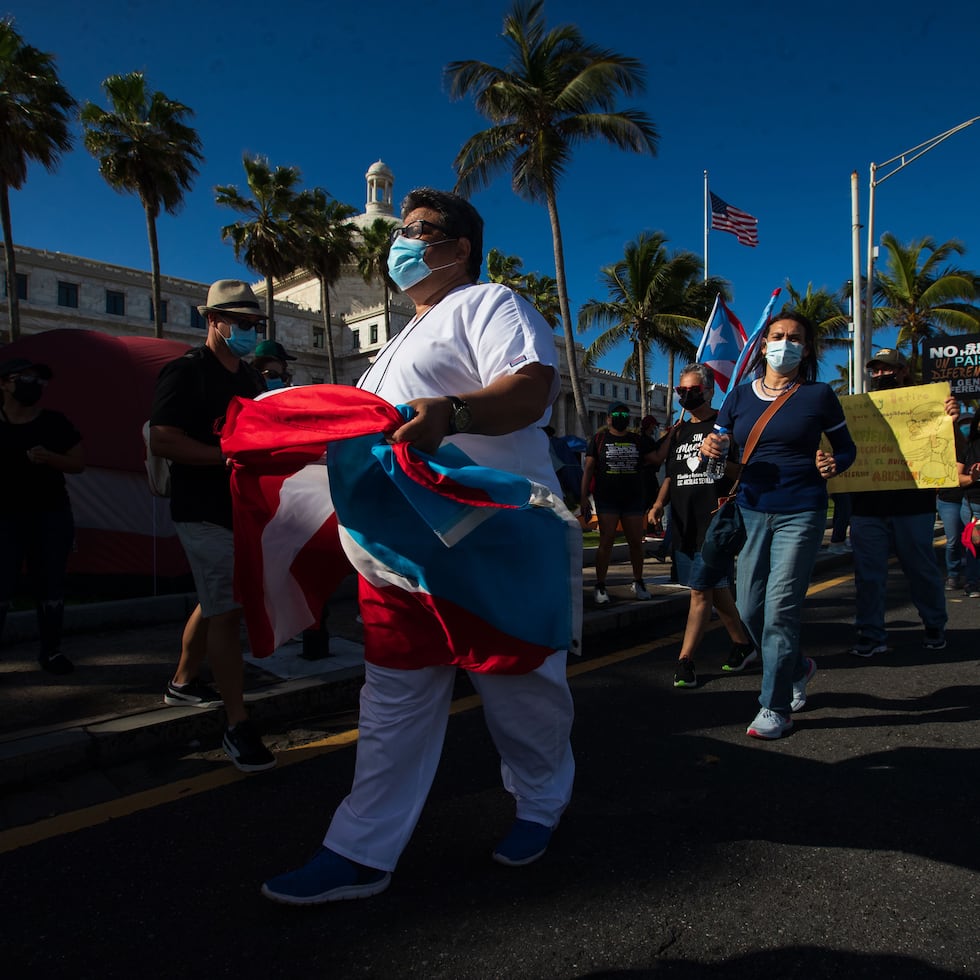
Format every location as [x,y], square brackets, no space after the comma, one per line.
[111,709]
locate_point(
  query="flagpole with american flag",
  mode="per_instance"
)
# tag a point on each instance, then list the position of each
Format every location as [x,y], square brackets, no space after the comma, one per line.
[725,217]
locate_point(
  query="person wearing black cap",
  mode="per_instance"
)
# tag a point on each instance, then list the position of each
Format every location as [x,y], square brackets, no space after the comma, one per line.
[189,405]
[38,447]
[270,361]
[903,519]
[614,461]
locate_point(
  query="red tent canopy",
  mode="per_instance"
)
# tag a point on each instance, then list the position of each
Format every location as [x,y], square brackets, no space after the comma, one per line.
[103,384]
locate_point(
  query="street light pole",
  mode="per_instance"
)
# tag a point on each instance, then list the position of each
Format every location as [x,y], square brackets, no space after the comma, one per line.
[903,160]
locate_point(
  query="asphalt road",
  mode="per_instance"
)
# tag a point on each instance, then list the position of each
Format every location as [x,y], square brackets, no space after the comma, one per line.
[847,849]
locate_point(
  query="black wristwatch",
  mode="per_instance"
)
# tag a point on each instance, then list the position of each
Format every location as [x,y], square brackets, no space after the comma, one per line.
[460,416]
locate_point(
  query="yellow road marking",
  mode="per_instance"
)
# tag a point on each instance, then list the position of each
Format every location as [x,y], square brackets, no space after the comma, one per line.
[66,823]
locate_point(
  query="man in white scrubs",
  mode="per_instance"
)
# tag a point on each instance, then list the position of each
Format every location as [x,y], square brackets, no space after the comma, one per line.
[477,365]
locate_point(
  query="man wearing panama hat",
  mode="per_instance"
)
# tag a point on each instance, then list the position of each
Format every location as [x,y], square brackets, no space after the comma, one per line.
[191,398]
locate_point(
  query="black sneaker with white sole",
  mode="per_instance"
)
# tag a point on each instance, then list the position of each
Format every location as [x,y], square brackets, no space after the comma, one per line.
[194,694]
[741,656]
[244,747]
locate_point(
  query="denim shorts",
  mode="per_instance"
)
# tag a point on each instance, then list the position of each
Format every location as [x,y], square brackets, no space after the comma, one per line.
[692,572]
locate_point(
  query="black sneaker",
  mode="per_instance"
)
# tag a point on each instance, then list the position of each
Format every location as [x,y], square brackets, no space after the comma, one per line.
[195,694]
[741,656]
[57,663]
[244,747]
[685,675]
[935,639]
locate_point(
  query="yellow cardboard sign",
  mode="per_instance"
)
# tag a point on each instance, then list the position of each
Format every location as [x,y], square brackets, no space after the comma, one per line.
[904,440]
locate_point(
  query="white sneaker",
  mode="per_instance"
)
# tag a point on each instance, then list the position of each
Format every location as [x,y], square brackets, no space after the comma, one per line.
[769,724]
[639,591]
[799,688]
[600,596]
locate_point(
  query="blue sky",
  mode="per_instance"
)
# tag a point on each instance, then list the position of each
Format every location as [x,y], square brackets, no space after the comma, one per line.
[779,106]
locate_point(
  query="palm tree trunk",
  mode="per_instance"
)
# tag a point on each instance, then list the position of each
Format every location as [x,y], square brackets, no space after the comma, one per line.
[151,231]
[270,328]
[566,315]
[670,387]
[325,308]
[13,300]
[641,370]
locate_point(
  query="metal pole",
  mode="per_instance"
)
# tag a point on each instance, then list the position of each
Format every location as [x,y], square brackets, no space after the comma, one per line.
[856,353]
[869,284]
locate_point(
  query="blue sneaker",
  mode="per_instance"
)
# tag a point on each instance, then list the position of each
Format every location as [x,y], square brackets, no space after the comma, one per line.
[799,687]
[328,877]
[525,842]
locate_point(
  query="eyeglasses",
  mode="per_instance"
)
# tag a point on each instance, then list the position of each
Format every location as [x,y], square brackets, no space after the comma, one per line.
[416,229]
[689,390]
[285,376]
[879,372]
[30,378]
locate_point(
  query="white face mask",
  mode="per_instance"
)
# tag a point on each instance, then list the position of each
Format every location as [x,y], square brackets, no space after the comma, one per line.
[783,356]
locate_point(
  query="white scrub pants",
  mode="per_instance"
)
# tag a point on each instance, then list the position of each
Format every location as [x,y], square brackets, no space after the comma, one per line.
[402,727]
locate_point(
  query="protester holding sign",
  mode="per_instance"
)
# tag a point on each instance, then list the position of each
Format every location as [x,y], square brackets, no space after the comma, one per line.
[905,517]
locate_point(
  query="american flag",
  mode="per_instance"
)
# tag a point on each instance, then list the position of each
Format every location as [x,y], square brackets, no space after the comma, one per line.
[740,223]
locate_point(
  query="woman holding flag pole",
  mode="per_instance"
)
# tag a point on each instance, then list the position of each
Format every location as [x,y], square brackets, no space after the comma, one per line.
[783,499]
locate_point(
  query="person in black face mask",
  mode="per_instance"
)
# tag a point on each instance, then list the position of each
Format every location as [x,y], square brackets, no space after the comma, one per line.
[37,447]
[903,519]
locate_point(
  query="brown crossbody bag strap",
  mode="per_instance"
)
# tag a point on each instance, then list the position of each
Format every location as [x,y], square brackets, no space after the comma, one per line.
[754,435]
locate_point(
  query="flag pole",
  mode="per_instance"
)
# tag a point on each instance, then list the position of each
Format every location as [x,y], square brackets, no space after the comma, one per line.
[706,226]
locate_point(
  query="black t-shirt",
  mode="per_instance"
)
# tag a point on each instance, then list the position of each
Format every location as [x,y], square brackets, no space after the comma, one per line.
[192,394]
[618,465]
[971,456]
[33,488]
[693,494]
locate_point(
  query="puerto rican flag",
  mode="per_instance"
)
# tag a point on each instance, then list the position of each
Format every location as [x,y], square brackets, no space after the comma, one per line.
[747,357]
[722,342]
[458,563]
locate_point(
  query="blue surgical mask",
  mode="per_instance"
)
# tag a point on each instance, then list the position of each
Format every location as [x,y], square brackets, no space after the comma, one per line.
[783,356]
[274,384]
[241,342]
[406,261]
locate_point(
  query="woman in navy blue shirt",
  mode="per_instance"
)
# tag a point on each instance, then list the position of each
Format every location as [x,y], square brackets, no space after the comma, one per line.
[783,498]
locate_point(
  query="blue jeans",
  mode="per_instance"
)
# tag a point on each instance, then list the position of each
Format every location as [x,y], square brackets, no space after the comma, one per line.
[912,538]
[949,514]
[773,575]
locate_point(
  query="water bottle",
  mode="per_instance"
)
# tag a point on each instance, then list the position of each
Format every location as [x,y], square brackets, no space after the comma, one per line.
[715,468]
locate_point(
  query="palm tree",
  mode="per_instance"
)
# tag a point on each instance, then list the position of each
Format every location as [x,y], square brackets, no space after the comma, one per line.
[327,246]
[556,92]
[539,290]
[145,148]
[826,311]
[920,297]
[268,241]
[34,112]
[657,299]
[372,261]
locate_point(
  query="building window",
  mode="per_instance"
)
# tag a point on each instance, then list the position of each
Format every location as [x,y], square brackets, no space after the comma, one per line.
[21,285]
[68,294]
[602,389]
[319,338]
[115,302]
[374,333]
[316,379]
[615,391]
[197,321]
[163,310]
[355,339]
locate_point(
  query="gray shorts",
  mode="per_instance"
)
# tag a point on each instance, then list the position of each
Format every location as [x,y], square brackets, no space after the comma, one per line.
[210,551]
